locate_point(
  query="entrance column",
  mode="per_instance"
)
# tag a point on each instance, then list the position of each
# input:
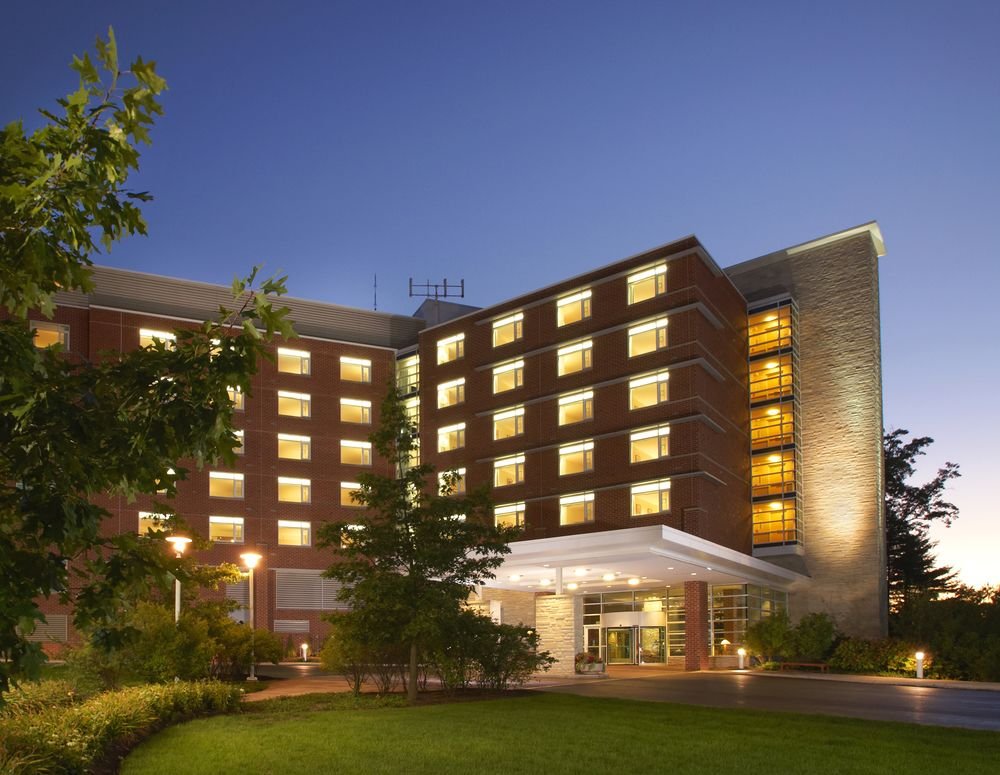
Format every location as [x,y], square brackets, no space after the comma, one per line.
[695,625]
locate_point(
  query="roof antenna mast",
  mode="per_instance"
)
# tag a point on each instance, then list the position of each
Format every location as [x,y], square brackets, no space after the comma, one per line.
[438,291]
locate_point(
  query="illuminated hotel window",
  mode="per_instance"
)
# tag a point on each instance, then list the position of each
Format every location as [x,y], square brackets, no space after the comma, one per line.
[509,515]
[451,437]
[509,376]
[292,490]
[225,485]
[294,404]
[356,411]
[293,361]
[576,407]
[508,329]
[451,393]
[508,470]
[650,498]
[649,443]
[773,473]
[774,522]
[508,423]
[647,284]
[770,330]
[647,338]
[355,453]
[149,520]
[576,458]
[292,447]
[238,447]
[648,390]
[355,369]
[771,378]
[408,375]
[452,482]
[49,334]
[237,398]
[291,533]
[451,349]
[148,336]
[574,358]
[771,426]
[576,509]
[573,309]
[225,530]
[347,490]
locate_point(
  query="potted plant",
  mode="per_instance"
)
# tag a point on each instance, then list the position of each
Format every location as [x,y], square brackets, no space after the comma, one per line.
[585,662]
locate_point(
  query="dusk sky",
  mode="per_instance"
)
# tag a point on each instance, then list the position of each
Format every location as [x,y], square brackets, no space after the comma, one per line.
[512,144]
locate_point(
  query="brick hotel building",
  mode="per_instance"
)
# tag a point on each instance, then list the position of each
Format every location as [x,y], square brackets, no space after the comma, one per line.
[686,448]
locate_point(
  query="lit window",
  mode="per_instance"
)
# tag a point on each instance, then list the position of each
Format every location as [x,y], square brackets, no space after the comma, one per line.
[294,404]
[508,470]
[649,443]
[509,515]
[355,453]
[771,426]
[576,509]
[347,490]
[576,407]
[451,349]
[573,309]
[508,377]
[149,520]
[294,490]
[648,390]
[49,334]
[291,533]
[773,473]
[162,489]
[451,393]
[774,522]
[238,448]
[225,485]
[771,378]
[452,482]
[148,337]
[574,358]
[237,398]
[770,330]
[293,361]
[408,375]
[356,411]
[508,423]
[576,458]
[355,369]
[508,329]
[651,498]
[647,338]
[228,530]
[451,437]
[292,447]
[647,283]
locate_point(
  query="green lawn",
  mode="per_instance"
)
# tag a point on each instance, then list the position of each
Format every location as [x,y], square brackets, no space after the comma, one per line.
[551,734]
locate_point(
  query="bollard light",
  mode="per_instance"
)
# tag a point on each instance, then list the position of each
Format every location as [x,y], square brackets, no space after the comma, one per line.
[920,664]
[305,652]
[742,652]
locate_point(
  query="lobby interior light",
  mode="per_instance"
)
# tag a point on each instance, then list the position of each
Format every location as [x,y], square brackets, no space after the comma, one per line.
[515,577]
[580,572]
[572,585]
[545,582]
[633,581]
[608,577]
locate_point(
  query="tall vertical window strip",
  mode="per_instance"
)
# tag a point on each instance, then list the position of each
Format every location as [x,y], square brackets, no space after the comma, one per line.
[648,390]
[355,453]
[576,509]
[576,458]
[647,284]
[237,397]
[355,369]
[774,522]
[225,530]
[508,376]
[508,471]
[451,393]
[294,361]
[650,498]
[576,407]
[291,490]
[573,308]
[149,336]
[355,410]
[772,426]
[770,330]
[291,447]
[508,329]
[574,357]
[451,349]
[509,515]
[225,485]
[294,404]
[48,334]
[508,423]
[648,337]
[771,378]
[451,437]
[649,443]
[408,375]
[773,473]
[292,533]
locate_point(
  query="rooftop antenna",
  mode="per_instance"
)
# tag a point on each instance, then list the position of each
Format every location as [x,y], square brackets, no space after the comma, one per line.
[376,293]
[437,291]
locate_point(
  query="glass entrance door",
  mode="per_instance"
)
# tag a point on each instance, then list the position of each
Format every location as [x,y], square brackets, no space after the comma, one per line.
[651,645]
[621,646]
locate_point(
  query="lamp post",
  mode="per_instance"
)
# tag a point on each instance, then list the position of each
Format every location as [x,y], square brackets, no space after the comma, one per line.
[251,559]
[179,543]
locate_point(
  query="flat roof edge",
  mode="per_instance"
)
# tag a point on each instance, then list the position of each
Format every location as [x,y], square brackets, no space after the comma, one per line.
[871,228]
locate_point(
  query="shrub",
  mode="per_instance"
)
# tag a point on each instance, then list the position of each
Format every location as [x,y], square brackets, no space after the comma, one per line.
[857,655]
[30,697]
[344,653]
[770,638]
[813,637]
[510,657]
[456,658]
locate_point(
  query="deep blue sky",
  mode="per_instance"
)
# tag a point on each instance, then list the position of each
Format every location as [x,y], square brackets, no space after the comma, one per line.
[512,144]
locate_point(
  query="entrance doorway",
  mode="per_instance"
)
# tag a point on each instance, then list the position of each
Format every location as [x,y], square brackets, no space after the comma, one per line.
[636,645]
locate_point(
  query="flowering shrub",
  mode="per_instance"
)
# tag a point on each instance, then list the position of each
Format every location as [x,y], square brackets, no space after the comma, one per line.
[585,658]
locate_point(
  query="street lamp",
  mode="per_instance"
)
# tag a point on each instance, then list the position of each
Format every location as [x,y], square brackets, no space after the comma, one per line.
[251,559]
[179,543]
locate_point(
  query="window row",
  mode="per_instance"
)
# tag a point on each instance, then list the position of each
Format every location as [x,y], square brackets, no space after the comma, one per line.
[292,404]
[229,530]
[645,499]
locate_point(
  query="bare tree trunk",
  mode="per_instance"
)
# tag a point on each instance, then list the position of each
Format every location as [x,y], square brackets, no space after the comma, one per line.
[411,688]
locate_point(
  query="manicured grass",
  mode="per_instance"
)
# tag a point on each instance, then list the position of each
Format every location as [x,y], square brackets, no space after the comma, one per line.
[552,734]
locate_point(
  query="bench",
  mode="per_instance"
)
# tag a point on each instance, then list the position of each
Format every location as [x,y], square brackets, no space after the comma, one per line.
[821,666]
